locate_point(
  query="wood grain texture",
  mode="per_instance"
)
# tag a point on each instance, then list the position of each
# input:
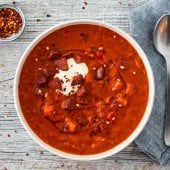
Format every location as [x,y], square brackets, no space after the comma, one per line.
[17,149]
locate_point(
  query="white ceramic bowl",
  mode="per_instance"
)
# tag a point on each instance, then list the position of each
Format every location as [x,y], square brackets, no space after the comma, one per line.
[138,129]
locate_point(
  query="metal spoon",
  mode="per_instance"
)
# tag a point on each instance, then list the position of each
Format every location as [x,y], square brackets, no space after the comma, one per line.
[162,44]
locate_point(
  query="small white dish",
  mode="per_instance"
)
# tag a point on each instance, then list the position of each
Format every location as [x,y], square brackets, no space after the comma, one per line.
[17,35]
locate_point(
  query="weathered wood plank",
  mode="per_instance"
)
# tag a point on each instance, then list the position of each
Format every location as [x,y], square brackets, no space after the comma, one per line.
[17,149]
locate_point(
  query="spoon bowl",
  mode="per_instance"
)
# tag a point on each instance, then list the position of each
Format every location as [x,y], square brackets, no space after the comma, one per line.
[162,44]
[162,35]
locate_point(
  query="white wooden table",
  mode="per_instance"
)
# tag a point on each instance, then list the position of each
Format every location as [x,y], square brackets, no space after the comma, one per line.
[17,149]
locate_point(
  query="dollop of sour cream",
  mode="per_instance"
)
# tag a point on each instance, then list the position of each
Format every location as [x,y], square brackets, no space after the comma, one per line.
[67,76]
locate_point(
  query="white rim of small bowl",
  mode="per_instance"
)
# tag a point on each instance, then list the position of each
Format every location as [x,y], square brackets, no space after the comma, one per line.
[17,35]
[133,135]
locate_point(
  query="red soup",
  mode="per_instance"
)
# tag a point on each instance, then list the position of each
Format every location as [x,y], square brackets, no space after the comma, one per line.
[83,89]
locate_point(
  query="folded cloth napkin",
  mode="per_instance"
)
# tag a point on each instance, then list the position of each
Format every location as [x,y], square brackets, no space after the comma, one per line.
[142,22]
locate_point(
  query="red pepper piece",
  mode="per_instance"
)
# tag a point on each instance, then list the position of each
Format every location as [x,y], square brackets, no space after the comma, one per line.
[111,116]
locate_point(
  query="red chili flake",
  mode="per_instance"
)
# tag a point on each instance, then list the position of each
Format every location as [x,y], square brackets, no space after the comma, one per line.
[10,22]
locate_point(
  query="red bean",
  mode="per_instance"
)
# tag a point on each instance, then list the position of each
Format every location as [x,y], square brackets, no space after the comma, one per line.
[100,73]
[54,55]
[49,72]
[55,84]
[77,80]
[68,104]
[78,59]
[42,81]
[83,91]
[61,63]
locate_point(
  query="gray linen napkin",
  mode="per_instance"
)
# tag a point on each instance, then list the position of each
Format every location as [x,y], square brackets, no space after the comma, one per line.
[142,23]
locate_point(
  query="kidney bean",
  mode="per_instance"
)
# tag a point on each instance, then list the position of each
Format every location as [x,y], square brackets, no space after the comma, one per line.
[78,59]
[55,84]
[54,55]
[49,72]
[68,104]
[61,63]
[42,81]
[77,80]
[82,91]
[100,73]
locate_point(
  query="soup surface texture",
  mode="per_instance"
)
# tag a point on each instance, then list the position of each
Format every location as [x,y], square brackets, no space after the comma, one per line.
[83,89]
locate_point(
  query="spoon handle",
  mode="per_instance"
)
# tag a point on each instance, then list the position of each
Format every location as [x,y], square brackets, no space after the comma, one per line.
[167,118]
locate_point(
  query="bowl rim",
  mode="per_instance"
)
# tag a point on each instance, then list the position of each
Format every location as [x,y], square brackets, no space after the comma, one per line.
[17,35]
[142,122]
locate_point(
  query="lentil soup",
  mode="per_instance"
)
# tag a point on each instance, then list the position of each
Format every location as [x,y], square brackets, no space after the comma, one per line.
[83,89]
